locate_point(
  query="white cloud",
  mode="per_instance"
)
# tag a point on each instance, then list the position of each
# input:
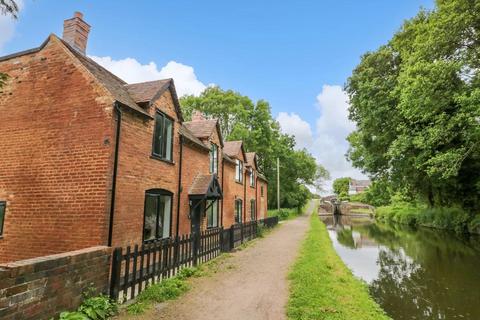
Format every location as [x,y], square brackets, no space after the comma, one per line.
[132,71]
[7,26]
[327,143]
[292,124]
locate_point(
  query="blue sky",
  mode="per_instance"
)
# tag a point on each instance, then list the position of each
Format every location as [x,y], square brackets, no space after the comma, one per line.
[284,52]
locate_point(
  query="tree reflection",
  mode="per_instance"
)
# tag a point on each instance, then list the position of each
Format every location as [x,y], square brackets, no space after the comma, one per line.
[424,274]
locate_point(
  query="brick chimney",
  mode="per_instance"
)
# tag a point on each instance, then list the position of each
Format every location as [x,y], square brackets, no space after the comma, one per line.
[75,32]
[198,116]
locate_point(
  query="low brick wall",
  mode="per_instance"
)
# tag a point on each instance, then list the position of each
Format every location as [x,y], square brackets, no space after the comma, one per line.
[42,287]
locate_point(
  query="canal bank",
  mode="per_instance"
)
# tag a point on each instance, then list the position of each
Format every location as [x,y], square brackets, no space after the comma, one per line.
[321,285]
[412,273]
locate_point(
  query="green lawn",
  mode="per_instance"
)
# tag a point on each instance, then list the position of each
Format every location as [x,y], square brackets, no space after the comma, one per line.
[322,287]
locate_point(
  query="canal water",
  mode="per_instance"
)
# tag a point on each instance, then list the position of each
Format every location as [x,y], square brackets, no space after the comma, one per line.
[412,273]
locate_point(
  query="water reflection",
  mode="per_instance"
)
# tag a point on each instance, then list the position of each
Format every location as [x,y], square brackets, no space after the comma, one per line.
[412,274]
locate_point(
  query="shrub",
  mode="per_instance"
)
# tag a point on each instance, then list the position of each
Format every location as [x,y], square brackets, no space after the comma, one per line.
[474,225]
[453,219]
[98,308]
[92,308]
[166,290]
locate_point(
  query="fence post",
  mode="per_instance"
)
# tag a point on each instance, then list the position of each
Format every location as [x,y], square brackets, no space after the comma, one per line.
[196,239]
[241,232]
[115,278]
[232,237]
[221,239]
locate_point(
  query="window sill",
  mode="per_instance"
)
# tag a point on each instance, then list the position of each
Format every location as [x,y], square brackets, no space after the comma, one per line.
[239,182]
[162,159]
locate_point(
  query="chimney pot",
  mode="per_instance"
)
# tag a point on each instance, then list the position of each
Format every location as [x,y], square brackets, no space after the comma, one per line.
[198,116]
[75,32]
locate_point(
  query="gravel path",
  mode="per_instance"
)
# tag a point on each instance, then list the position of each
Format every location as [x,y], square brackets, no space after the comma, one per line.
[250,284]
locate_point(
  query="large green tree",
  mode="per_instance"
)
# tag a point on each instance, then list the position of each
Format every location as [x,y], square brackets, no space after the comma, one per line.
[341,186]
[242,119]
[416,103]
[7,7]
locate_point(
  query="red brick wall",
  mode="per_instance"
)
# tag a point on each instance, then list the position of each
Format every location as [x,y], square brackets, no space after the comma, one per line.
[138,172]
[229,192]
[41,288]
[262,201]
[56,137]
[233,190]
[195,161]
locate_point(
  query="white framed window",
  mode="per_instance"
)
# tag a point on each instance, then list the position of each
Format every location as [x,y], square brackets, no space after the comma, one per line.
[212,214]
[252,178]
[253,213]
[157,214]
[163,137]
[214,158]
[238,171]
[238,211]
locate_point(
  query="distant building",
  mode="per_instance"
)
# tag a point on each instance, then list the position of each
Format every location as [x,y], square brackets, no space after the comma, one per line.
[358,186]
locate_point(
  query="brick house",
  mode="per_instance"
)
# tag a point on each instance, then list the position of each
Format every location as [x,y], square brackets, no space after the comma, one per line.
[88,159]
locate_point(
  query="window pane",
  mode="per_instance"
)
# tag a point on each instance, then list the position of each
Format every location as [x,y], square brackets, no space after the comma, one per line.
[252,209]
[164,216]
[150,221]
[215,214]
[213,158]
[157,135]
[212,213]
[2,215]
[168,139]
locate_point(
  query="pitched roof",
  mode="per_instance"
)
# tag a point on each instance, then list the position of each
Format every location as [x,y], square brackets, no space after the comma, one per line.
[230,160]
[251,158]
[146,91]
[204,128]
[206,186]
[201,128]
[360,183]
[111,82]
[127,95]
[232,148]
[192,139]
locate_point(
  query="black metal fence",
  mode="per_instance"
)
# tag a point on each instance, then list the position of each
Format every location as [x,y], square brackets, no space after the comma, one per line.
[134,269]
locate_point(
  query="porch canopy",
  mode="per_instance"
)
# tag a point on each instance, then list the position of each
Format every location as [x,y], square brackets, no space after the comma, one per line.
[205,187]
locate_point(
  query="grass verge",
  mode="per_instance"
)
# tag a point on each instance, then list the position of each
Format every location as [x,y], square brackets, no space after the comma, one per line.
[452,219]
[288,213]
[322,287]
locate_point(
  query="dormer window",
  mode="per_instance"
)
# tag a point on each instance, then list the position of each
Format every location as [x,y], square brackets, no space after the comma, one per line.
[214,158]
[238,171]
[163,137]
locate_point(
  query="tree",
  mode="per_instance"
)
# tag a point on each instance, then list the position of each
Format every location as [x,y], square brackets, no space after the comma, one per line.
[7,7]
[341,186]
[242,119]
[416,103]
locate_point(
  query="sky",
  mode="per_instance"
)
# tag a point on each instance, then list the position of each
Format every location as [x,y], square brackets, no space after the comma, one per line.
[295,54]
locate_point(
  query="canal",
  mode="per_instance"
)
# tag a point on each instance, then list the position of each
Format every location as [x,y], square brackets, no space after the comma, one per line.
[412,273]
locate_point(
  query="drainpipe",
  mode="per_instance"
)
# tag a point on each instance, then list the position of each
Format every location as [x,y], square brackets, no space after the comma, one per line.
[179,185]
[245,197]
[223,170]
[256,197]
[116,107]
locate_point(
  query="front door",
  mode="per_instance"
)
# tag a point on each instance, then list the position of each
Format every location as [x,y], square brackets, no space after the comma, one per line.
[196,215]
